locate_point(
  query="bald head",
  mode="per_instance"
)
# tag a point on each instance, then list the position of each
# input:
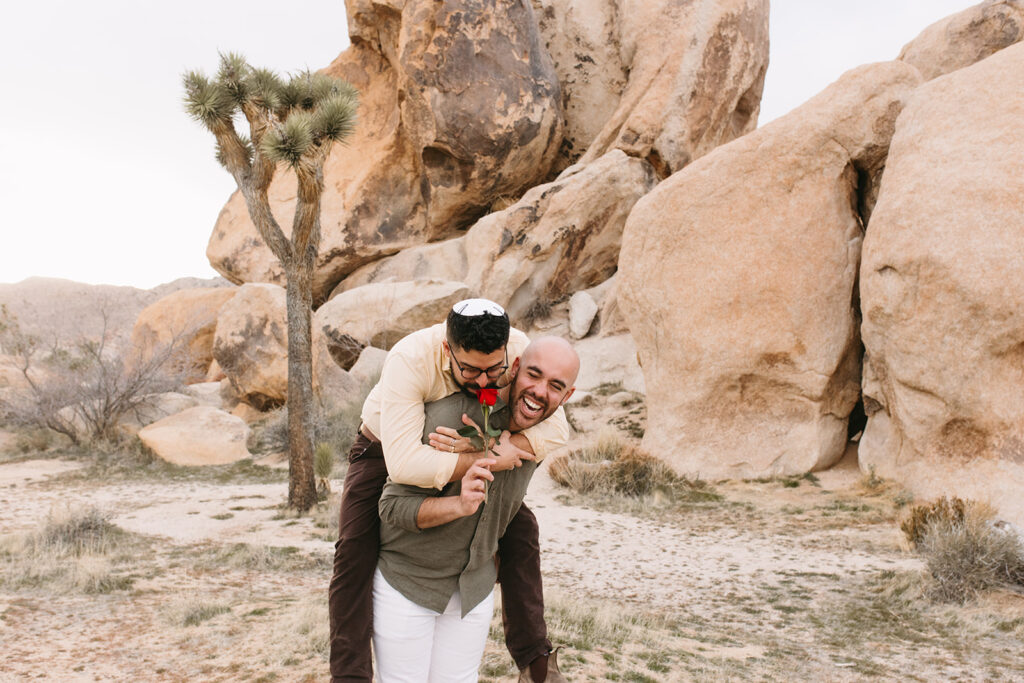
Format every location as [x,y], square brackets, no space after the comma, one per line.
[545,377]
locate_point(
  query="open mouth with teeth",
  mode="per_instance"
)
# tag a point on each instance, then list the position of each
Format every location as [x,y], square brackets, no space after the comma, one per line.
[530,408]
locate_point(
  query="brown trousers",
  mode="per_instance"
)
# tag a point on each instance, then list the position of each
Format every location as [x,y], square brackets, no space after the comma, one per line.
[350,598]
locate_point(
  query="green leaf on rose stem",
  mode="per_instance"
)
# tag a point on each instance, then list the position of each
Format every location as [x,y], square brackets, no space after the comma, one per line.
[491,431]
[468,431]
[477,441]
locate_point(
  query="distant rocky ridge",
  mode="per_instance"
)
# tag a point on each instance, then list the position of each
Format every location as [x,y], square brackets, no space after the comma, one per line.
[67,310]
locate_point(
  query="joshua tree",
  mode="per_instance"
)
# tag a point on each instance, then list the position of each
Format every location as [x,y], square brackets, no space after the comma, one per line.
[293,122]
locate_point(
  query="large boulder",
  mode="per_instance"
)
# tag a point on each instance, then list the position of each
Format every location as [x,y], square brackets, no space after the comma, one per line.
[381,313]
[154,408]
[583,39]
[444,260]
[198,436]
[966,37]
[251,344]
[560,237]
[609,360]
[377,314]
[695,74]
[459,105]
[183,323]
[737,279]
[942,292]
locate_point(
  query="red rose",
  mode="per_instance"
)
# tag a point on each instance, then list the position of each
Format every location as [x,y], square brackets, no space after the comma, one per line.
[487,396]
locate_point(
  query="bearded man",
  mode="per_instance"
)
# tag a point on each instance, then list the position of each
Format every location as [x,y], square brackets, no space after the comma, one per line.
[469,351]
[433,589]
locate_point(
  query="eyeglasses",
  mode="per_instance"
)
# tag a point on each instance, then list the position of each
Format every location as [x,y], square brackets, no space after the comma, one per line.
[470,372]
[475,307]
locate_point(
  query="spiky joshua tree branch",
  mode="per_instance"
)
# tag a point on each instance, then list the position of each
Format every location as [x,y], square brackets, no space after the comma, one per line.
[291,122]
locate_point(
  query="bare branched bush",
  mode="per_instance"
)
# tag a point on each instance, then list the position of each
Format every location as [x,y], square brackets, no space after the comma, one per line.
[334,426]
[84,389]
[611,466]
[967,553]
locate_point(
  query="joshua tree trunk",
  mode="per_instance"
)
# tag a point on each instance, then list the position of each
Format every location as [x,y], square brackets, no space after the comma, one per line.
[295,123]
[301,480]
[299,271]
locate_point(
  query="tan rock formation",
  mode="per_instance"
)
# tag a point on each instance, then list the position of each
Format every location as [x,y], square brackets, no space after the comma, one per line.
[966,37]
[377,314]
[198,436]
[582,311]
[206,393]
[560,237]
[436,261]
[459,105]
[942,292]
[156,407]
[696,72]
[251,344]
[611,359]
[186,319]
[381,313]
[737,280]
[583,39]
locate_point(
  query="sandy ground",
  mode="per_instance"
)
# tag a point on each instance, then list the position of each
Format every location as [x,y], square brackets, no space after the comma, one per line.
[586,553]
[735,575]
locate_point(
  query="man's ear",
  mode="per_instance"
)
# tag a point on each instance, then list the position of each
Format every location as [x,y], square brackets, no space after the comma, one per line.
[567,395]
[515,367]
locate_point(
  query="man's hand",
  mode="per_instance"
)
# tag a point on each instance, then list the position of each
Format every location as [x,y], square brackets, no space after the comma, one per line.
[474,485]
[437,511]
[509,455]
[448,440]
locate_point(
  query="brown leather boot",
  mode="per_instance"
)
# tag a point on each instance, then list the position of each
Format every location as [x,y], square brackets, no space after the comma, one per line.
[551,665]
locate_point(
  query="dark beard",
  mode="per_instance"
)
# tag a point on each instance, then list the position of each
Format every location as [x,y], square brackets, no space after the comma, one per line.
[470,390]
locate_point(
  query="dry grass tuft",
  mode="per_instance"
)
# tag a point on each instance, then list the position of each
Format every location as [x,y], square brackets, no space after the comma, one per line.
[610,466]
[967,554]
[76,549]
[920,517]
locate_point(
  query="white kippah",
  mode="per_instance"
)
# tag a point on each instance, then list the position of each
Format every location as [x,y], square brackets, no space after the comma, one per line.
[474,307]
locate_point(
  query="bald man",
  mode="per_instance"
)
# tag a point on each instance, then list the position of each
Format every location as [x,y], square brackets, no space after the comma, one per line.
[433,589]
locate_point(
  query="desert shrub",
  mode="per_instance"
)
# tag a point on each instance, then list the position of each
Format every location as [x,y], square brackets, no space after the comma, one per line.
[84,388]
[967,553]
[946,510]
[75,548]
[334,426]
[610,466]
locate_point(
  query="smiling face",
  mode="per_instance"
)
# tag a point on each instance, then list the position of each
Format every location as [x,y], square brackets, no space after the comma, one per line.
[545,377]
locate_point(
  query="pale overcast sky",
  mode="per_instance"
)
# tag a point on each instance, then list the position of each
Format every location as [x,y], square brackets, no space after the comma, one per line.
[106,180]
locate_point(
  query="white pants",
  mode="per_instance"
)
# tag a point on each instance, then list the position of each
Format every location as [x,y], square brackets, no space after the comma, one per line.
[415,645]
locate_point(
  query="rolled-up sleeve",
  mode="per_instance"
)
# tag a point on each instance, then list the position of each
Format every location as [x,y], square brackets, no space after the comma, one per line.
[400,505]
[403,386]
[548,436]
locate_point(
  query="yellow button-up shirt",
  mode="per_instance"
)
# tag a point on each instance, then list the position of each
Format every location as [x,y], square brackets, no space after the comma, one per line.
[416,372]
